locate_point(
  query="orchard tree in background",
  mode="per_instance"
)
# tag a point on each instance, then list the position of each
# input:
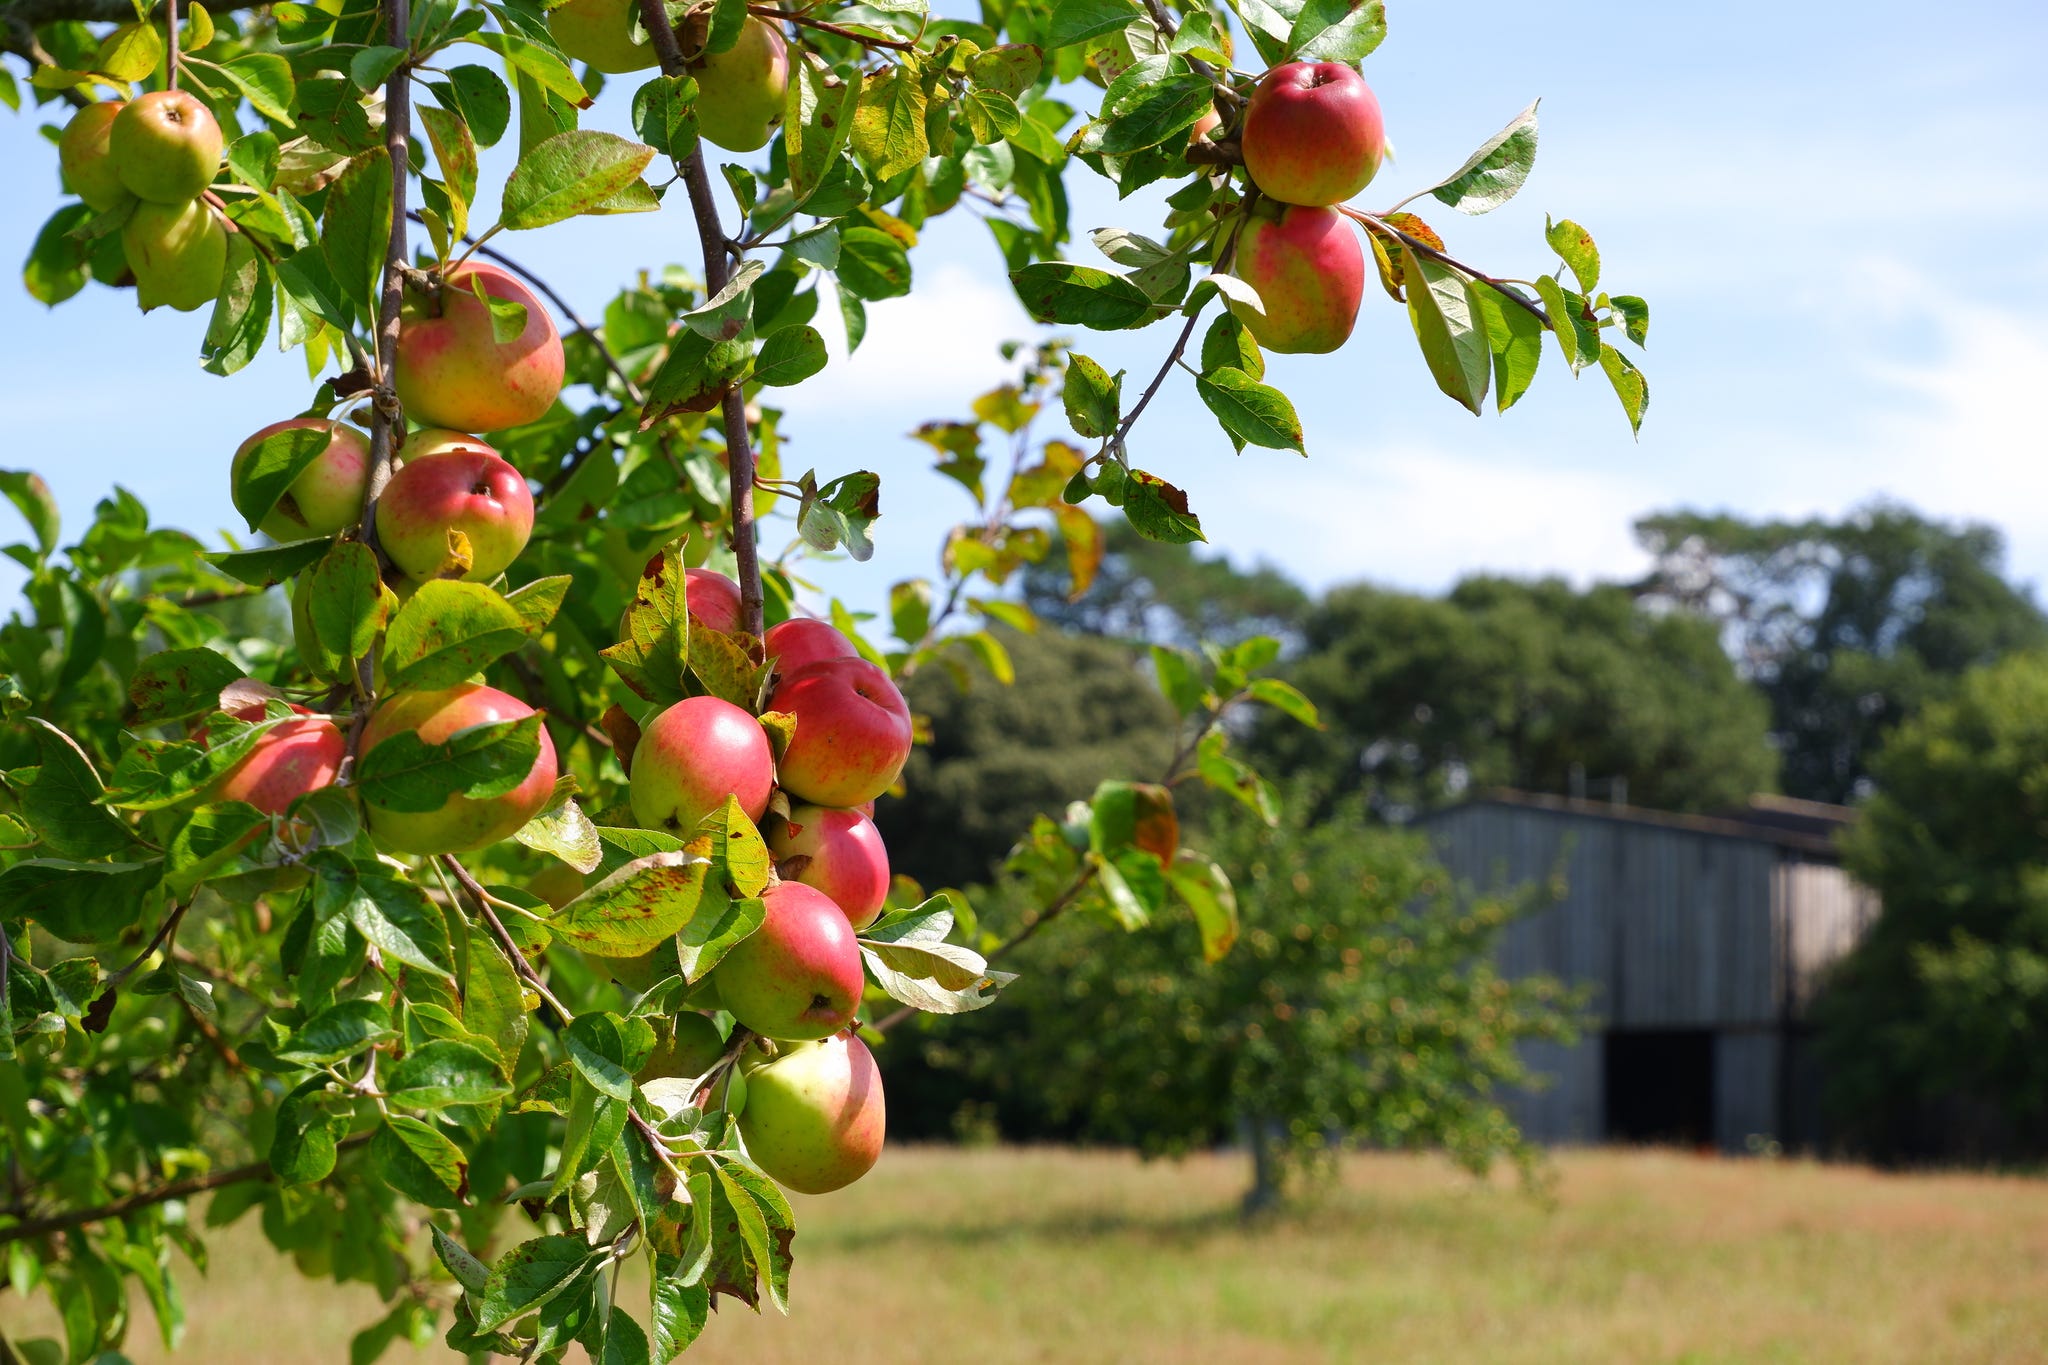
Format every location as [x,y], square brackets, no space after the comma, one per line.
[531,882]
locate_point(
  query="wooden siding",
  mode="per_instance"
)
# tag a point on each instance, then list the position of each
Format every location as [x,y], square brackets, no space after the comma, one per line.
[1826,911]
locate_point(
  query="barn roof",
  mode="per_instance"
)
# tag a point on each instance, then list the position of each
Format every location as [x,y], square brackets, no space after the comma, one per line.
[1806,827]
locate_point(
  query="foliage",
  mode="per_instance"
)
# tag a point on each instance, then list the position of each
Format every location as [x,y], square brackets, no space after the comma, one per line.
[1359,1007]
[1929,1025]
[1533,685]
[205,997]
[1849,627]
[1158,593]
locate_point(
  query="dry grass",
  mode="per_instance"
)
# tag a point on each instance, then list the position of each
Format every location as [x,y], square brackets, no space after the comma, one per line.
[1007,1257]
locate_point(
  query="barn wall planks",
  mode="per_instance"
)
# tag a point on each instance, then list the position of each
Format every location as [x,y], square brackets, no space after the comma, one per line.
[1673,923]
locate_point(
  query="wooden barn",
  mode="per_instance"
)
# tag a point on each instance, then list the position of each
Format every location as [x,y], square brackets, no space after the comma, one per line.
[1702,940]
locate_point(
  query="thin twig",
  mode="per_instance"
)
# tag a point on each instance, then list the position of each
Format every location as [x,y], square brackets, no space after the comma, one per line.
[525,969]
[1115,444]
[170,44]
[1421,248]
[142,1199]
[836,30]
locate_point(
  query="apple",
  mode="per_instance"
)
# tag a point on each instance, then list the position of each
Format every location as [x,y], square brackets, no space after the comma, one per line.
[178,253]
[458,487]
[165,146]
[292,758]
[1208,123]
[797,976]
[597,33]
[88,165]
[327,497]
[454,372]
[692,1048]
[852,732]
[1313,133]
[557,884]
[740,91]
[462,823]
[802,640]
[815,1115]
[713,598]
[847,860]
[694,755]
[1309,270]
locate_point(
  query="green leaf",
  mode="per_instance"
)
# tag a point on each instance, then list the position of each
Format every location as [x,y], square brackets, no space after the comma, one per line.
[1094,400]
[1178,679]
[665,115]
[1575,245]
[372,66]
[444,1072]
[466,1270]
[697,374]
[455,150]
[262,477]
[1125,904]
[528,1276]
[535,63]
[1492,175]
[1165,109]
[132,52]
[420,1162]
[1286,698]
[816,122]
[597,1050]
[790,356]
[55,269]
[563,831]
[889,122]
[62,803]
[449,631]
[840,514]
[872,264]
[253,158]
[306,1136]
[347,603]
[33,499]
[656,630]
[1515,337]
[1159,511]
[265,80]
[1225,772]
[241,310]
[1634,314]
[405,773]
[538,601]
[1337,30]
[1205,889]
[356,226]
[1629,385]
[633,910]
[479,95]
[178,683]
[1012,68]
[394,916]
[80,902]
[337,1033]
[1079,295]
[1077,21]
[1451,329]
[1577,335]
[568,174]
[1251,411]
[493,1000]
[908,954]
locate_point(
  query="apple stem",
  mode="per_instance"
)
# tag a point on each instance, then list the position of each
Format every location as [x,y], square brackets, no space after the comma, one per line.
[718,250]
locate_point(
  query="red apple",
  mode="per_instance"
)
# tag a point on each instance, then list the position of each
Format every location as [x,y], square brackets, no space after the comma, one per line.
[453,372]
[460,484]
[797,976]
[327,497]
[1205,125]
[292,758]
[86,161]
[1313,133]
[1310,273]
[852,732]
[802,640]
[815,1116]
[847,860]
[713,599]
[694,755]
[166,146]
[462,823]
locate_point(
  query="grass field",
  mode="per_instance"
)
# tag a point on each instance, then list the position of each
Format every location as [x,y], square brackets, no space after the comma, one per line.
[1007,1257]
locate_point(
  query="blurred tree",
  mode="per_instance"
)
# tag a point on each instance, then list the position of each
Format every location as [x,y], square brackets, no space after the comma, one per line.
[1847,626]
[1536,685]
[1932,1028]
[1080,710]
[1359,1006]
[1166,594]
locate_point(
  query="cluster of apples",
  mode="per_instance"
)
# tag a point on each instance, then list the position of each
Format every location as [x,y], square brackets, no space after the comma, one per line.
[1312,138]
[814,1114]
[739,91]
[159,151]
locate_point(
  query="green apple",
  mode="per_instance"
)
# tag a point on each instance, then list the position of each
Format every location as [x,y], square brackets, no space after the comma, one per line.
[178,253]
[815,1115]
[598,32]
[166,146]
[327,497]
[88,165]
[740,91]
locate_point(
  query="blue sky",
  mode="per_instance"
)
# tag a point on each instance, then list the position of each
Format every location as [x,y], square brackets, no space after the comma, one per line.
[1838,212]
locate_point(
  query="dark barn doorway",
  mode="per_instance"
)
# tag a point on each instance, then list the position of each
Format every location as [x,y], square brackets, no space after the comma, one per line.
[1660,1087]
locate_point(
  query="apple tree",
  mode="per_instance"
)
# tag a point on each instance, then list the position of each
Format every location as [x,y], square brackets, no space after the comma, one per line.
[472,878]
